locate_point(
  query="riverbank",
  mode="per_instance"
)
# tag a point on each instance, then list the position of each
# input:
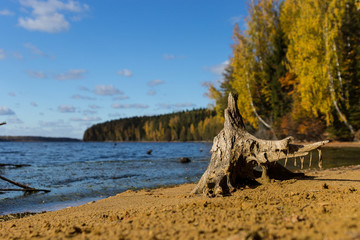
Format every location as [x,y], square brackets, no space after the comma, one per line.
[324,207]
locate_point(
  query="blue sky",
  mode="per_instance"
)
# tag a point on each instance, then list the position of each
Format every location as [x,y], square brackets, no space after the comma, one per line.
[68,64]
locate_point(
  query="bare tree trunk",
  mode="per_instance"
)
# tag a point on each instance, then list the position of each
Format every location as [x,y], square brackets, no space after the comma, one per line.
[254,109]
[235,153]
[331,84]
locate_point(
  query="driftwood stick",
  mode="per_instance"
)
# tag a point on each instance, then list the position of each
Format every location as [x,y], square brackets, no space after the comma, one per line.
[2,123]
[23,190]
[15,183]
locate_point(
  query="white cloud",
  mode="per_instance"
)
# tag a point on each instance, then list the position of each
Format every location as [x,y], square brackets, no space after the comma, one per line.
[18,55]
[176,105]
[2,54]
[38,74]
[107,90]
[126,106]
[218,69]
[117,115]
[35,50]
[49,16]
[151,92]
[78,96]
[6,12]
[66,108]
[83,88]
[6,111]
[94,106]
[90,112]
[125,72]
[121,97]
[155,82]
[71,75]
[86,119]
[237,19]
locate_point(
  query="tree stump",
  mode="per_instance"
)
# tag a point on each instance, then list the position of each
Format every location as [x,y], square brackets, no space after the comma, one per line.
[235,153]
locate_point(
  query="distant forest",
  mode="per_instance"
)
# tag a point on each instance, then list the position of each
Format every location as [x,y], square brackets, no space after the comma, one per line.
[194,125]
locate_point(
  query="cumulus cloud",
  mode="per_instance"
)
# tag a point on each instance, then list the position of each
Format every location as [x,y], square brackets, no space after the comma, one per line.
[155,82]
[126,106]
[86,119]
[6,111]
[78,96]
[36,74]
[66,109]
[2,54]
[218,69]
[125,72]
[71,75]
[107,90]
[35,50]
[6,12]
[49,16]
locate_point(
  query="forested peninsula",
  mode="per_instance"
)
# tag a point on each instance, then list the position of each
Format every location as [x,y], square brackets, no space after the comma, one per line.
[194,125]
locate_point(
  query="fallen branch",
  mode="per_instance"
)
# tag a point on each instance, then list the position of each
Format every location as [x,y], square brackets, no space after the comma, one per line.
[25,188]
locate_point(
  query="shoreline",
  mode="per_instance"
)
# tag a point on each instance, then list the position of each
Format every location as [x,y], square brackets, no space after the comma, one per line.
[325,206]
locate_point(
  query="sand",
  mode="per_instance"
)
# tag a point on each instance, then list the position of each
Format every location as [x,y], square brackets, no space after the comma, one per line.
[325,207]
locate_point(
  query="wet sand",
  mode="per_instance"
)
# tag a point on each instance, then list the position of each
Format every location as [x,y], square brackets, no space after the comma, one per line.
[325,207]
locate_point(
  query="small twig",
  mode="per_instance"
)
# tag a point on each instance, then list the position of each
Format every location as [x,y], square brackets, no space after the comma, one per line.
[15,183]
[23,190]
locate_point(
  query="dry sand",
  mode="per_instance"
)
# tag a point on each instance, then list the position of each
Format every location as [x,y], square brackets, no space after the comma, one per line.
[326,207]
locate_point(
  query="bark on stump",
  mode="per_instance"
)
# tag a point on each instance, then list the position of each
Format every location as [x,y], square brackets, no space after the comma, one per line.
[235,153]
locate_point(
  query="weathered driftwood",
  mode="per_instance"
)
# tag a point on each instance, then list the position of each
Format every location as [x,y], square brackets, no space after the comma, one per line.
[235,153]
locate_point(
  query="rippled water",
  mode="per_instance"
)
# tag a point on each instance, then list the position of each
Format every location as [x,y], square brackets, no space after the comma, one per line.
[80,172]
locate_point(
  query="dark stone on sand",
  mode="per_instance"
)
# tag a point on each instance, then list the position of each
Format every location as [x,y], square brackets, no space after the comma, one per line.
[185,160]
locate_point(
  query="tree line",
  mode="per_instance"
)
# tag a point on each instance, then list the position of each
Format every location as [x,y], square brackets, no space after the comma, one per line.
[194,125]
[296,69]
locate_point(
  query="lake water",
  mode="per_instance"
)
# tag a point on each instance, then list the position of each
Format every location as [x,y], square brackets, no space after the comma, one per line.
[80,172]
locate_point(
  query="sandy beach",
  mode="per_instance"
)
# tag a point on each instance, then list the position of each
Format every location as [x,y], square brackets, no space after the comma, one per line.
[326,206]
